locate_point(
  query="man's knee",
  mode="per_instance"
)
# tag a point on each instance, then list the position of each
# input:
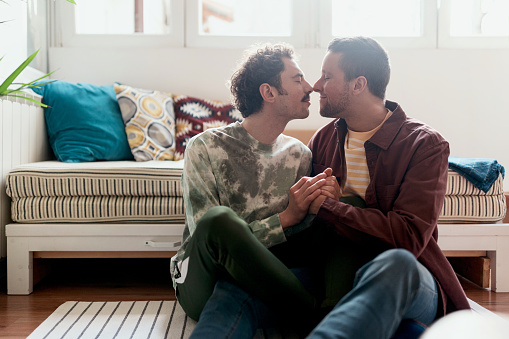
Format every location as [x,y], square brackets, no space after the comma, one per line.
[220,221]
[398,264]
[217,214]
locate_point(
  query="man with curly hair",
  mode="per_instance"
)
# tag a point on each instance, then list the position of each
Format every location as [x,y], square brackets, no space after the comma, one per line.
[246,190]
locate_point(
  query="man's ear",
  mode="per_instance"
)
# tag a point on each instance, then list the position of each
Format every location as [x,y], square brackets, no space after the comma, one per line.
[267,92]
[360,84]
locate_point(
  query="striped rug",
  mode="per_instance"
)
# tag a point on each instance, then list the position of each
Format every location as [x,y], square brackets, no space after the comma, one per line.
[123,319]
[141,319]
[127,319]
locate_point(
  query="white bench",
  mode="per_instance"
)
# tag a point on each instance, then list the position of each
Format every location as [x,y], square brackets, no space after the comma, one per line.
[492,238]
[26,241]
[161,240]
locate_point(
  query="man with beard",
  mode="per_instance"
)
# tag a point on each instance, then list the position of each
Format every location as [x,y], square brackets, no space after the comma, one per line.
[398,166]
[244,188]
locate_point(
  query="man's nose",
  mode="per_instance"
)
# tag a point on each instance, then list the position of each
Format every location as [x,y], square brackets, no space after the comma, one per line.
[318,86]
[308,88]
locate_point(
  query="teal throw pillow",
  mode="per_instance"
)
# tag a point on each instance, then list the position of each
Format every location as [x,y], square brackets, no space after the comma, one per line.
[84,122]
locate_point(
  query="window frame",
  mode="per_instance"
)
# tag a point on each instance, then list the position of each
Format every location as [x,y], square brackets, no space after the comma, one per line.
[64,34]
[446,41]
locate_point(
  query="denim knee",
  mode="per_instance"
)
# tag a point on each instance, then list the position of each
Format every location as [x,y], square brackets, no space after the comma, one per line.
[399,264]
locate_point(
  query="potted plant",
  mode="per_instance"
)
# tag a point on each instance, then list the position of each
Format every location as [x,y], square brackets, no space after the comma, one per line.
[17,91]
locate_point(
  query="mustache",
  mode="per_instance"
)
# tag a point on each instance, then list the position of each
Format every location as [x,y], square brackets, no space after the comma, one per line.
[306,98]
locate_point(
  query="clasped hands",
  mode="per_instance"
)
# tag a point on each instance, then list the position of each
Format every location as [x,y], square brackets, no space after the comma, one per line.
[307,195]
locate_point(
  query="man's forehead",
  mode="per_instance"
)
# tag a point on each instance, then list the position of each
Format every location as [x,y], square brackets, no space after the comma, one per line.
[292,68]
[331,61]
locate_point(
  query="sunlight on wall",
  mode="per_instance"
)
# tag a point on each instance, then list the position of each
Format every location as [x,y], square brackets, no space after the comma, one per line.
[13,34]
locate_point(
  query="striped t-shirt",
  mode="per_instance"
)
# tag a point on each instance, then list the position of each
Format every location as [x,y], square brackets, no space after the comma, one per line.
[357,173]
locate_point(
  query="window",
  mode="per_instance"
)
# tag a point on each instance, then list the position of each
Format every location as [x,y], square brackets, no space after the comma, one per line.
[239,23]
[118,23]
[376,18]
[395,23]
[123,17]
[474,24]
[245,18]
[303,23]
[479,18]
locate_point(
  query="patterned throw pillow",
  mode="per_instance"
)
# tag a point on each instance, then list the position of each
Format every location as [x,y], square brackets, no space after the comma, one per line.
[149,121]
[195,115]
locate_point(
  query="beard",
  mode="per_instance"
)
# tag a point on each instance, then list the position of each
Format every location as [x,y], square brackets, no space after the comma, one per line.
[328,111]
[336,110]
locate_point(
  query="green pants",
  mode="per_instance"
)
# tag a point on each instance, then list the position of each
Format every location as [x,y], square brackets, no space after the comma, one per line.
[342,258]
[223,247]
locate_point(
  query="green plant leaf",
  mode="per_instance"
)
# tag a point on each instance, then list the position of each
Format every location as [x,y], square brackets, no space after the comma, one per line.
[31,85]
[29,99]
[16,92]
[4,88]
[23,86]
[10,79]
[72,1]
[44,76]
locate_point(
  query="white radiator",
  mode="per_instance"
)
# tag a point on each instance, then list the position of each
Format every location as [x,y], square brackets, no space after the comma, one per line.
[23,140]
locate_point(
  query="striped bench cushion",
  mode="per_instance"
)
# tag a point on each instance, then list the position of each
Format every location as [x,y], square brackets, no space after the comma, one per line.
[466,203]
[123,191]
[129,191]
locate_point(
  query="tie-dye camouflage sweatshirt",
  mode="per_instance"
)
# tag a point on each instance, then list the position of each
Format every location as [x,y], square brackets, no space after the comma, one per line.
[226,166]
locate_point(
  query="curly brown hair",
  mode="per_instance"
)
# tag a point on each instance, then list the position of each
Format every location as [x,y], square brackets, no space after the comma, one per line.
[262,64]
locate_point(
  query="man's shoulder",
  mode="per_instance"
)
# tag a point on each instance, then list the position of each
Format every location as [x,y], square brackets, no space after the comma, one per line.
[211,134]
[327,128]
[411,127]
[293,142]
[419,129]
[324,134]
[210,145]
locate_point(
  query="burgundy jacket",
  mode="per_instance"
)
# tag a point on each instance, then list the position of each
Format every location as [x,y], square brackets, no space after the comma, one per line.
[407,162]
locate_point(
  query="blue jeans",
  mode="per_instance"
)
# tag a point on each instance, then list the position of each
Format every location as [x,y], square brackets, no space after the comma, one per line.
[392,287]
[389,289]
[231,312]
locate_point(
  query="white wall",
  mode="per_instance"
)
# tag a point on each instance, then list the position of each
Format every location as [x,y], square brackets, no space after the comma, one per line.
[13,40]
[461,93]
[12,36]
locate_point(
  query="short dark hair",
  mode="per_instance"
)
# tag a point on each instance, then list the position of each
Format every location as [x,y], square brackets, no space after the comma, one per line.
[363,56]
[263,64]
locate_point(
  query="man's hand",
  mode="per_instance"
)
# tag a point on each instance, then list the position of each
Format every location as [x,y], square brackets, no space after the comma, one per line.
[330,189]
[305,191]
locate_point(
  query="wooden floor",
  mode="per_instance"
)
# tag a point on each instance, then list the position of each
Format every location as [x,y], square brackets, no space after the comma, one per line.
[124,280]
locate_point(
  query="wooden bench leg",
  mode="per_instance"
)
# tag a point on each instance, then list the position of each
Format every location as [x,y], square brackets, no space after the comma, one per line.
[19,267]
[475,269]
[500,265]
